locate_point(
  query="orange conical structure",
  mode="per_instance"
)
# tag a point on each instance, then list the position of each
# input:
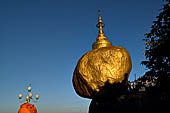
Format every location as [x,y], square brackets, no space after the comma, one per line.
[27,108]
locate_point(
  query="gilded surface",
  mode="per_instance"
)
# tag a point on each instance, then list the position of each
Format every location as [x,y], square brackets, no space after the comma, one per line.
[96,67]
[105,63]
[101,40]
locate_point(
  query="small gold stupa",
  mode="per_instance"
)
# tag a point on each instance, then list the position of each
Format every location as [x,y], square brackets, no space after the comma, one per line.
[101,39]
[104,64]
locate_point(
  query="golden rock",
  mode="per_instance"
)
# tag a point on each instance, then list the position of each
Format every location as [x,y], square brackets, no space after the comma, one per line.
[96,67]
[104,64]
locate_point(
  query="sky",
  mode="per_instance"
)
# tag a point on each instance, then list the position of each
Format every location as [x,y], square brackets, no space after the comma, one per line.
[42,40]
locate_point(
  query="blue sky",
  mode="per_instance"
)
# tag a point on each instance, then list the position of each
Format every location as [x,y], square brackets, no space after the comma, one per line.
[42,40]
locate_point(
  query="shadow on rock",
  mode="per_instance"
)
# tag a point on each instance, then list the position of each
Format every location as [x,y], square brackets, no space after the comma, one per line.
[115,98]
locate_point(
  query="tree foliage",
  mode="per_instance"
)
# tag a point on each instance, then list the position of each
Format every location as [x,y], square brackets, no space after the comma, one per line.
[157,44]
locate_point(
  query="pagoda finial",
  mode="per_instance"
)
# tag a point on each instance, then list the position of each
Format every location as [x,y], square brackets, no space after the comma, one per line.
[99,11]
[101,40]
[100,24]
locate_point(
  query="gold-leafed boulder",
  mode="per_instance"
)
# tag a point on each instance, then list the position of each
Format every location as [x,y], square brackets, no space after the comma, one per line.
[105,63]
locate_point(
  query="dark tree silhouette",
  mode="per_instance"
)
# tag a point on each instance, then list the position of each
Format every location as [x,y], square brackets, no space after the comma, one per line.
[157,44]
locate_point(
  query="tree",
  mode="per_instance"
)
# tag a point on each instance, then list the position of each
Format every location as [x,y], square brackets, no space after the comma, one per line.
[157,44]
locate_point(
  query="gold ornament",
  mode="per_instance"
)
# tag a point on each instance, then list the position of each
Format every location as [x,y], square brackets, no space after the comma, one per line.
[101,40]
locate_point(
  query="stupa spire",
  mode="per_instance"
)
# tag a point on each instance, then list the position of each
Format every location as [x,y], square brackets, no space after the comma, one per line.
[101,40]
[100,24]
